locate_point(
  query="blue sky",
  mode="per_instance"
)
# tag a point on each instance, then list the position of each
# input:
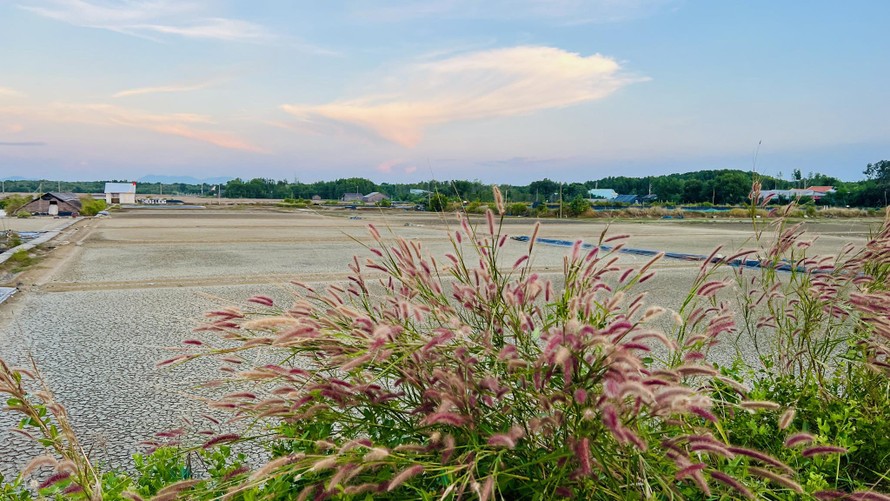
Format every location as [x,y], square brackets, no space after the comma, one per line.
[403,90]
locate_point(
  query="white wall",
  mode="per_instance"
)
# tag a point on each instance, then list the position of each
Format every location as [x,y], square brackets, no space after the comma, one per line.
[125,198]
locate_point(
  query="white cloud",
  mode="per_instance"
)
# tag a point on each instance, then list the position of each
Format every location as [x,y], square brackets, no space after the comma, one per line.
[7,92]
[480,85]
[148,18]
[211,28]
[163,89]
[571,11]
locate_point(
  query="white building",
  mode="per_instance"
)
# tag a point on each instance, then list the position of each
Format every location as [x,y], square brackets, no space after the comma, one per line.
[120,193]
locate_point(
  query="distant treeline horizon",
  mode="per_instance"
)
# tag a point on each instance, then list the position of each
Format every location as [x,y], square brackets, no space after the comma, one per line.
[719,187]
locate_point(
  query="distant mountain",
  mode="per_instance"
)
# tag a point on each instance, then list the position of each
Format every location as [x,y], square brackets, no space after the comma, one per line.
[183,179]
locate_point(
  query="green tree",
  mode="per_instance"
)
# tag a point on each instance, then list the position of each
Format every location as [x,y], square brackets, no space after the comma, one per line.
[438,202]
[796,175]
[543,189]
[577,206]
[693,191]
[879,171]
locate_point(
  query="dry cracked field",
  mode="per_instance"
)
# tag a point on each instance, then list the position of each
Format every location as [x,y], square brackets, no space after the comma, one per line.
[98,312]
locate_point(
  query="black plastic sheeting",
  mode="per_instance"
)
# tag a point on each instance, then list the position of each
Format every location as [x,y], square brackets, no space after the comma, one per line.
[737,263]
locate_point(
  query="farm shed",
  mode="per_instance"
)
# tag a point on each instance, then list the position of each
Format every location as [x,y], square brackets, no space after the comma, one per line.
[54,204]
[374,197]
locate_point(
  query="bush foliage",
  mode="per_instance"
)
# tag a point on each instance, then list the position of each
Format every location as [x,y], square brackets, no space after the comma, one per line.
[90,206]
[467,377]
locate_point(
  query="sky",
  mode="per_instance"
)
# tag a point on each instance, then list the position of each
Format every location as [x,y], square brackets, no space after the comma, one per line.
[506,91]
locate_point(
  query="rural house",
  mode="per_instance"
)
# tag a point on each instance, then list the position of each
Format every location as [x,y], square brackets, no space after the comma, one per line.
[54,204]
[351,197]
[120,193]
[374,197]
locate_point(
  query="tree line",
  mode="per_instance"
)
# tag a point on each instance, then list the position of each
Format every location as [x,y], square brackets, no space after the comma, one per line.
[719,187]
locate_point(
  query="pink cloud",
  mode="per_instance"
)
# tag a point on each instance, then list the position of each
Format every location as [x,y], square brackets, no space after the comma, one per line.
[474,86]
[386,167]
[410,169]
[12,128]
[186,125]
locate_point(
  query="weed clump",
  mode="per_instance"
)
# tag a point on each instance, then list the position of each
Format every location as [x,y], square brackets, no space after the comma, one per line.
[469,377]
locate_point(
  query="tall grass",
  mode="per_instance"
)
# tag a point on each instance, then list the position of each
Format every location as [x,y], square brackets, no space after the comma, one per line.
[464,376]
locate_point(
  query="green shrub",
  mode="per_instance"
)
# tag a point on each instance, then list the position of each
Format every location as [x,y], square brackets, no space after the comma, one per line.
[90,206]
[438,202]
[23,214]
[13,240]
[518,209]
[577,207]
[13,203]
[297,203]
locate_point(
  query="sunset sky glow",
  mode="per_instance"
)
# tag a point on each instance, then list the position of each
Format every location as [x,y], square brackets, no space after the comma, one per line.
[403,90]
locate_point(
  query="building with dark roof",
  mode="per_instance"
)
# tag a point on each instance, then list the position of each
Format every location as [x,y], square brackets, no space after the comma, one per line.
[374,197]
[626,199]
[54,204]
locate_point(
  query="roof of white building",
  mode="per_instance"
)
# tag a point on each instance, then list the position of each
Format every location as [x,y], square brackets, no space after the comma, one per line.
[606,193]
[120,187]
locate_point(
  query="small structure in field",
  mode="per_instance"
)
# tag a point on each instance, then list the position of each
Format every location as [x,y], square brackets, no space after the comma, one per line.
[120,193]
[54,204]
[153,201]
[374,197]
[814,192]
[351,197]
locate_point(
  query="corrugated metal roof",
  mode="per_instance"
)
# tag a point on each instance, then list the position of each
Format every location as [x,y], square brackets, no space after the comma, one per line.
[625,199]
[607,193]
[120,187]
[66,197]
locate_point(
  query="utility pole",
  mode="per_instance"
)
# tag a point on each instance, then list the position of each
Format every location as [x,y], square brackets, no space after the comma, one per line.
[560,200]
